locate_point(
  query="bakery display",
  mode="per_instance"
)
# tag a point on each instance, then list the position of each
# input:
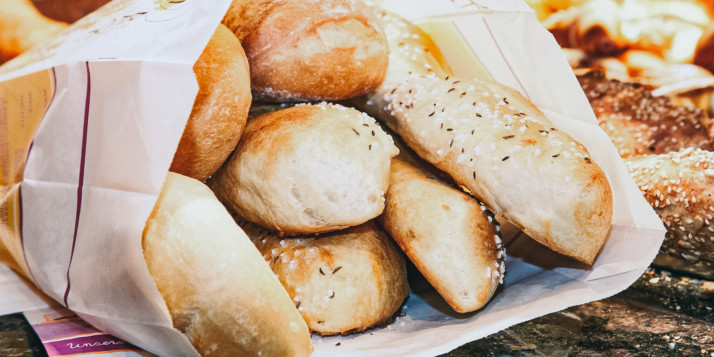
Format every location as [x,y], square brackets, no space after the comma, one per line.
[218,290]
[315,184]
[220,110]
[308,169]
[342,282]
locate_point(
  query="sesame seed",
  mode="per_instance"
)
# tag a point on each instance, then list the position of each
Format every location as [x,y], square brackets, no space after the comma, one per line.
[355,130]
[505,158]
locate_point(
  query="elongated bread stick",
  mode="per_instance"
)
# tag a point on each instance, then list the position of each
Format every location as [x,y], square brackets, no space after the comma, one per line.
[497,145]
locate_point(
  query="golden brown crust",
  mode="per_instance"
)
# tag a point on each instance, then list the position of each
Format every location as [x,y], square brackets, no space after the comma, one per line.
[501,148]
[310,50]
[308,169]
[220,110]
[680,188]
[638,122]
[218,290]
[451,238]
[22,27]
[343,282]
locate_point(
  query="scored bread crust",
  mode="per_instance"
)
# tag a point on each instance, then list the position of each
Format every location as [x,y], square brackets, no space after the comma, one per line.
[343,282]
[498,146]
[310,50]
[680,187]
[218,290]
[308,169]
[220,109]
[451,238]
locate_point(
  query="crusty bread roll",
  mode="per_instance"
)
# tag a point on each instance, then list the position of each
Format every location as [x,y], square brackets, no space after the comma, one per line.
[308,169]
[220,110]
[218,289]
[640,123]
[680,188]
[310,50]
[501,148]
[451,238]
[22,27]
[343,282]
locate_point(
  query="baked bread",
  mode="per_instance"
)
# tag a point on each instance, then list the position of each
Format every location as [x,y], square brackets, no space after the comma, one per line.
[218,289]
[451,238]
[22,26]
[638,122]
[680,187]
[343,282]
[220,110]
[310,50]
[308,169]
[501,148]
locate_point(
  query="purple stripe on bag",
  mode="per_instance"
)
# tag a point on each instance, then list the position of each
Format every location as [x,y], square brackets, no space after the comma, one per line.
[506,60]
[88,344]
[64,329]
[80,185]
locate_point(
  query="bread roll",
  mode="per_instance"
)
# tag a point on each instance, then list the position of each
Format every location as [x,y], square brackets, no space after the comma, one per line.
[680,188]
[308,169]
[342,282]
[22,27]
[220,110]
[310,50]
[449,236]
[218,289]
[638,122]
[501,148]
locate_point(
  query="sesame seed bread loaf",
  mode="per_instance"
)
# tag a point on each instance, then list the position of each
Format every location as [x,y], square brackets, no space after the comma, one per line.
[342,282]
[680,188]
[218,290]
[451,238]
[308,169]
[640,123]
[310,50]
[220,110]
[501,148]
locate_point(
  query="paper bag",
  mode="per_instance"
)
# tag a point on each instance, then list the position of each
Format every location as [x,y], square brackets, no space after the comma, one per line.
[90,122]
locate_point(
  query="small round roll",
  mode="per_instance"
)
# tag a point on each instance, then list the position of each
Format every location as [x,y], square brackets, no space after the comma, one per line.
[343,282]
[220,109]
[217,288]
[308,169]
[310,50]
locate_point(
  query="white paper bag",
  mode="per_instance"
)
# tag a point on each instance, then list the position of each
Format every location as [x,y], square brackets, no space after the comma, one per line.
[121,87]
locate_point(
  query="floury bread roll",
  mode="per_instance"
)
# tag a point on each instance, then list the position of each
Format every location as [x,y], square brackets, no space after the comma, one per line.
[310,50]
[342,282]
[22,26]
[498,146]
[679,186]
[308,169]
[451,238]
[218,289]
[220,110]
